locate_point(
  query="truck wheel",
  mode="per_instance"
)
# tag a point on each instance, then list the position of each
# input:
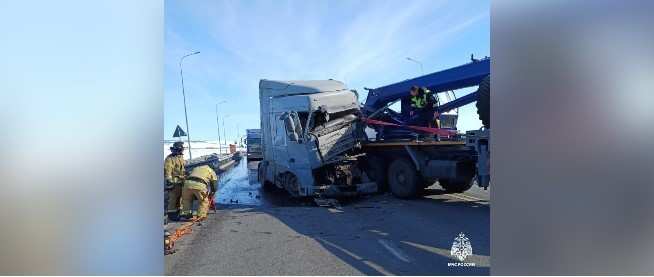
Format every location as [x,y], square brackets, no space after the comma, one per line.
[483,102]
[403,179]
[261,176]
[291,184]
[455,186]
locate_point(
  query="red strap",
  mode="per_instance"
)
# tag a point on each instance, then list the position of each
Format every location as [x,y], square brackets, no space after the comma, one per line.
[436,131]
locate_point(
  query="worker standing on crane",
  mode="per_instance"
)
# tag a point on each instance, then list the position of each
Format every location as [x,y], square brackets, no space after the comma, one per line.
[174,178]
[423,103]
[201,185]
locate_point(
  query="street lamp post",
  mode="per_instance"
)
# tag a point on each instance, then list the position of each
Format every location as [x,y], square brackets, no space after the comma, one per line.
[220,148]
[224,133]
[422,72]
[237,134]
[181,73]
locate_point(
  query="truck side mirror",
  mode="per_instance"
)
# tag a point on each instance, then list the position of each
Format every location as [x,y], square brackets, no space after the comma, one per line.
[356,93]
[298,125]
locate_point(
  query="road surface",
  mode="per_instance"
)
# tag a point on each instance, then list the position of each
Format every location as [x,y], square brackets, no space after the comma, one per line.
[267,233]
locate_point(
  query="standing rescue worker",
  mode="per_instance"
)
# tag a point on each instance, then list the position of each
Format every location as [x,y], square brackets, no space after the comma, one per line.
[174,176]
[422,107]
[201,185]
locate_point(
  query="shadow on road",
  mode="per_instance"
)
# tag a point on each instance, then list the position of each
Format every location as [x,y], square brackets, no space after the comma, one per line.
[382,235]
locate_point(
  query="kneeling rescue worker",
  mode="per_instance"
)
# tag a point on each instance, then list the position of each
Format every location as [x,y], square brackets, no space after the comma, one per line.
[174,176]
[201,185]
[423,103]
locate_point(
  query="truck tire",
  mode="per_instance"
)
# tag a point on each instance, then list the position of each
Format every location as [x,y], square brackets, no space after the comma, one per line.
[483,102]
[290,184]
[455,186]
[403,179]
[261,176]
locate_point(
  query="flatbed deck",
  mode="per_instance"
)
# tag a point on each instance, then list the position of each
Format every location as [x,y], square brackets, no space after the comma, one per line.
[412,143]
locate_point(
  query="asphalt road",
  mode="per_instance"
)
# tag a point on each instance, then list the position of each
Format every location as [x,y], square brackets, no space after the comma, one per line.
[268,233]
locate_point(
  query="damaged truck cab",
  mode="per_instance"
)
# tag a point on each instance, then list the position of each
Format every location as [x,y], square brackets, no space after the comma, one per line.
[309,132]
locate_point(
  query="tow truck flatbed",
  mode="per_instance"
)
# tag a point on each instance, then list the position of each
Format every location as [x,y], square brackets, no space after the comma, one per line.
[412,143]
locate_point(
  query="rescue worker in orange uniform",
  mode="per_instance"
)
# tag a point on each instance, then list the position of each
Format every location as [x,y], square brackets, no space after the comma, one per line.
[201,185]
[174,175]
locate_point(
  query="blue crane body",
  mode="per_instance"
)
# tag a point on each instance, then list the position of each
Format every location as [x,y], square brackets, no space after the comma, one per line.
[463,76]
[405,164]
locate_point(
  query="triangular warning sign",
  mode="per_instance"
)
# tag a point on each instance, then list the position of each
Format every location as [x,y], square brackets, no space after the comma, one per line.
[179,132]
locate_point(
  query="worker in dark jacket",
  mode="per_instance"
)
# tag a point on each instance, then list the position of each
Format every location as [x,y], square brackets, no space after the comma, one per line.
[423,103]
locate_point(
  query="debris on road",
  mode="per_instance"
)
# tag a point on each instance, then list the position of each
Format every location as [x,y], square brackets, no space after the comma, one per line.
[169,240]
[327,202]
[169,245]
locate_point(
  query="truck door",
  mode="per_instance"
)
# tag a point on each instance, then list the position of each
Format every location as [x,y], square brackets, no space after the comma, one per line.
[295,148]
[280,156]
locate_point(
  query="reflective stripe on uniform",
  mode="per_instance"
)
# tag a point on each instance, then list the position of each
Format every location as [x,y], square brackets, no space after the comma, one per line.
[417,102]
[420,102]
[192,184]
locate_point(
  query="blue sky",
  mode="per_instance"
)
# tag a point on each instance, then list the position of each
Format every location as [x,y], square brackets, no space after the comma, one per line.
[363,43]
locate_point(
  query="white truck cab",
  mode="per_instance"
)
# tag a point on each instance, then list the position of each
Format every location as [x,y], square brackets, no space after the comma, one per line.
[308,131]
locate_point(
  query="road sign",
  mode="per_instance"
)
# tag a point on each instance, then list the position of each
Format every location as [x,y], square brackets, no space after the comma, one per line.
[179,132]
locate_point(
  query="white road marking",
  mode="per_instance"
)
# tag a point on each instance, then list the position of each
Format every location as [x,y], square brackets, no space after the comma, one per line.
[464,197]
[367,262]
[394,250]
[332,210]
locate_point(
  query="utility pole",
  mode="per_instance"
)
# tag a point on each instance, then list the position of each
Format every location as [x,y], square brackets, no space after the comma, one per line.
[188,132]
